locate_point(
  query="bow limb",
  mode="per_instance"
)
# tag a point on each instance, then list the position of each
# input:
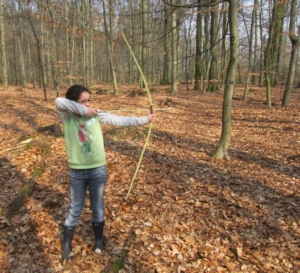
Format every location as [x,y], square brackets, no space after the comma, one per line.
[151,111]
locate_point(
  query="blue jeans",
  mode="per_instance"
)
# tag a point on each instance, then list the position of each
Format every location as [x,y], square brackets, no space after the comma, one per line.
[80,180]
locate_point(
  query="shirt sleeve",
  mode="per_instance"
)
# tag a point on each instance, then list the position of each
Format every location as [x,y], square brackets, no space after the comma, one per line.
[65,108]
[111,119]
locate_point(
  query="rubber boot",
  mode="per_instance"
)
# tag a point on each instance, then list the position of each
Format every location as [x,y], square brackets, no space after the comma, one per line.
[67,242]
[98,231]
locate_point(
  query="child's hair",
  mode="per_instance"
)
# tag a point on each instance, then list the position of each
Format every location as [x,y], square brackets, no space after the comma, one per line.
[75,91]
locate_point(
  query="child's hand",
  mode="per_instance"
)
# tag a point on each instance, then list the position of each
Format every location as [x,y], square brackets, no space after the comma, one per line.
[92,112]
[151,117]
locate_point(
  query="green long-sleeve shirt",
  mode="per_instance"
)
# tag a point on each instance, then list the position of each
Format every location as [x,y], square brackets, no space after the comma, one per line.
[83,134]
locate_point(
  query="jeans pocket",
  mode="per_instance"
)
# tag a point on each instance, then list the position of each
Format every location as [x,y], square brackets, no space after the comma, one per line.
[100,173]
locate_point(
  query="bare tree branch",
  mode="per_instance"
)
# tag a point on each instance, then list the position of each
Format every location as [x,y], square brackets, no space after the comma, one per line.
[194,5]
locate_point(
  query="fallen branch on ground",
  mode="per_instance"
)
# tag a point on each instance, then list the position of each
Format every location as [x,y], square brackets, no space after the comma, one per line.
[20,199]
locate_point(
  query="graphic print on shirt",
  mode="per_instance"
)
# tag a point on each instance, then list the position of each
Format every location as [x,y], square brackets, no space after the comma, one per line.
[85,137]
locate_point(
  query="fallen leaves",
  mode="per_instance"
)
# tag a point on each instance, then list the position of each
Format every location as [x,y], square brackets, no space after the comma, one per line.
[186,213]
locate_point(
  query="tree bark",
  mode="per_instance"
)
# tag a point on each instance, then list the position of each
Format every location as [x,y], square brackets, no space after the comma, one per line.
[276,41]
[40,58]
[144,40]
[3,48]
[165,77]
[250,57]
[224,42]
[295,41]
[53,59]
[71,67]
[174,52]
[198,65]
[187,37]
[221,152]
[213,73]
[271,53]
[110,53]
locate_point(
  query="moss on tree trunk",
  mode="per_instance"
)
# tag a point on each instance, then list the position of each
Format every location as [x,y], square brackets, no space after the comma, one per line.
[20,199]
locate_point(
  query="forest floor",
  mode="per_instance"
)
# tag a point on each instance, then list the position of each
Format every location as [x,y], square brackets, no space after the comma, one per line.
[187,212]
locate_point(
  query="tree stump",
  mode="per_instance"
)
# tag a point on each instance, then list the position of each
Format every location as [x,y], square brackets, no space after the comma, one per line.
[53,128]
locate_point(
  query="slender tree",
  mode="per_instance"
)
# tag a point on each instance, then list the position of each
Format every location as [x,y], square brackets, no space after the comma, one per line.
[222,149]
[250,34]
[84,24]
[213,72]
[271,52]
[144,39]
[187,39]
[71,48]
[3,48]
[90,43]
[224,58]
[267,68]
[198,59]
[40,59]
[110,52]
[53,61]
[295,41]
[130,61]
[22,49]
[262,42]
[255,47]
[207,56]
[165,77]
[174,52]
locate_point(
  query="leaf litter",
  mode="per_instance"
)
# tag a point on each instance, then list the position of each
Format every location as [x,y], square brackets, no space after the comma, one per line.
[187,212]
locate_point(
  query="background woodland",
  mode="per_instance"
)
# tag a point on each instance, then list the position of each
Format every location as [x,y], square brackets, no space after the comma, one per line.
[53,42]
[211,44]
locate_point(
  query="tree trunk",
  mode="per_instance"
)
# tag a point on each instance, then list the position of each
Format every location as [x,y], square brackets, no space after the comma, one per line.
[144,40]
[267,59]
[72,44]
[84,22]
[165,77]
[224,42]
[187,37]
[213,73]
[53,62]
[255,56]
[110,53]
[262,42]
[130,61]
[295,41]
[271,53]
[205,67]
[91,55]
[22,64]
[198,64]
[21,48]
[40,58]
[276,41]
[221,152]
[174,52]
[3,48]
[250,57]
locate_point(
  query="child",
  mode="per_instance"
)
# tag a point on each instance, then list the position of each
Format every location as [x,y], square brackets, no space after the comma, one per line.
[86,158]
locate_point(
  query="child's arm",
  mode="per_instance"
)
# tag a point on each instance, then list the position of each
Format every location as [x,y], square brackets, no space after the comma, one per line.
[66,107]
[111,119]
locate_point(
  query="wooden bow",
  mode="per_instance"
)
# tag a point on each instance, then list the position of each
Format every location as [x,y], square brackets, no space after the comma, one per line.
[151,112]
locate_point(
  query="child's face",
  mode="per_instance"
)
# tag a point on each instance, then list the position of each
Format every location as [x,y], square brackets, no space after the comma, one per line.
[84,98]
